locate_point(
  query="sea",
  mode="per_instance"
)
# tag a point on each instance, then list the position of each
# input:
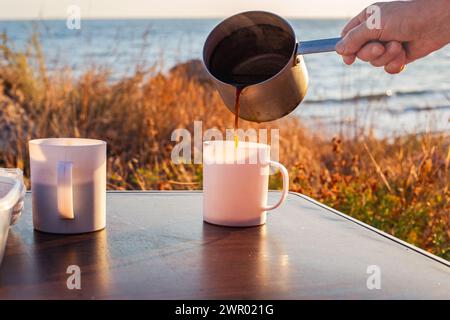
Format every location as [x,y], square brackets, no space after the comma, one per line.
[353,99]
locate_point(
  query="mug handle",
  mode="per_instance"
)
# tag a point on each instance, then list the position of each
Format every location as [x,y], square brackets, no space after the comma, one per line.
[284,193]
[65,190]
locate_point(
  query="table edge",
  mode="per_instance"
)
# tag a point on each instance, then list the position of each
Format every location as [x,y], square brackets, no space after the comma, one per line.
[373,229]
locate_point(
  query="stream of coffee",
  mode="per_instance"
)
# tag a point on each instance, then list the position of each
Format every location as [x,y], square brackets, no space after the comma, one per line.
[236,114]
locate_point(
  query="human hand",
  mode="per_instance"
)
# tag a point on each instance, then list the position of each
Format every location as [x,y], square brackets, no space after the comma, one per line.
[409,30]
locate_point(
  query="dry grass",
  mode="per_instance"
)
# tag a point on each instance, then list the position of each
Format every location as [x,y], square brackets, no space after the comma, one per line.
[400,186]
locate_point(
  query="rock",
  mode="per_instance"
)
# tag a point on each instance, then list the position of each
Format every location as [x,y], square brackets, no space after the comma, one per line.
[192,70]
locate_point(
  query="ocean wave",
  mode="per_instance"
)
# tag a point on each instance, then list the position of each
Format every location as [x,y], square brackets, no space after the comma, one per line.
[378,96]
[416,109]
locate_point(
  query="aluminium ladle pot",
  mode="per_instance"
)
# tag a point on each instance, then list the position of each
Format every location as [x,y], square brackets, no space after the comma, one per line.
[258,52]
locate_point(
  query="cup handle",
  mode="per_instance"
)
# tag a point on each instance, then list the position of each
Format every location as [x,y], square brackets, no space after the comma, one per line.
[285,191]
[64,190]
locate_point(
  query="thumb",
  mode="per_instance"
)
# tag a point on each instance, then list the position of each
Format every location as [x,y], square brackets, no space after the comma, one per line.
[355,39]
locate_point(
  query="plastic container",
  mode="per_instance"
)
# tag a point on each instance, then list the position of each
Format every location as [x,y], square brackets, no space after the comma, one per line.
[12,192]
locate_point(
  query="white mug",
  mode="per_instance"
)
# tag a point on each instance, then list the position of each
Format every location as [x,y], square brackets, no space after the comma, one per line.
[68,185]
[235,183]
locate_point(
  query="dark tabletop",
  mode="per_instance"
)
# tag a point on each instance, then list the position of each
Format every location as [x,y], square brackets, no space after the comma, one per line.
[156,246]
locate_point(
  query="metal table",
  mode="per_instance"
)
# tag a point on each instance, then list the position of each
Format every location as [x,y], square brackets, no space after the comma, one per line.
[156,246]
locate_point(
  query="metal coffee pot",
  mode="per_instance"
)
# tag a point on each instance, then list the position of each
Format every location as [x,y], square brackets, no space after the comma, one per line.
[258,52]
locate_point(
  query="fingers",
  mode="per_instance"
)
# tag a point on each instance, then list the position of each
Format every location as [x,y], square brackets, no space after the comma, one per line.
[350,25]
[397,65]
[355,39]
[393,59]
[371,51]
[361,17]
[391,55]
[349,59]
[393,49]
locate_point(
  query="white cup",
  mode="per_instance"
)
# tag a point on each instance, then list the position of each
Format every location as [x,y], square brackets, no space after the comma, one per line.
[235,183]
[68,184]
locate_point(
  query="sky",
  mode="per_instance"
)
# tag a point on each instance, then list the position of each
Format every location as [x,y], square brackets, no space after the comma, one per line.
[91,9]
